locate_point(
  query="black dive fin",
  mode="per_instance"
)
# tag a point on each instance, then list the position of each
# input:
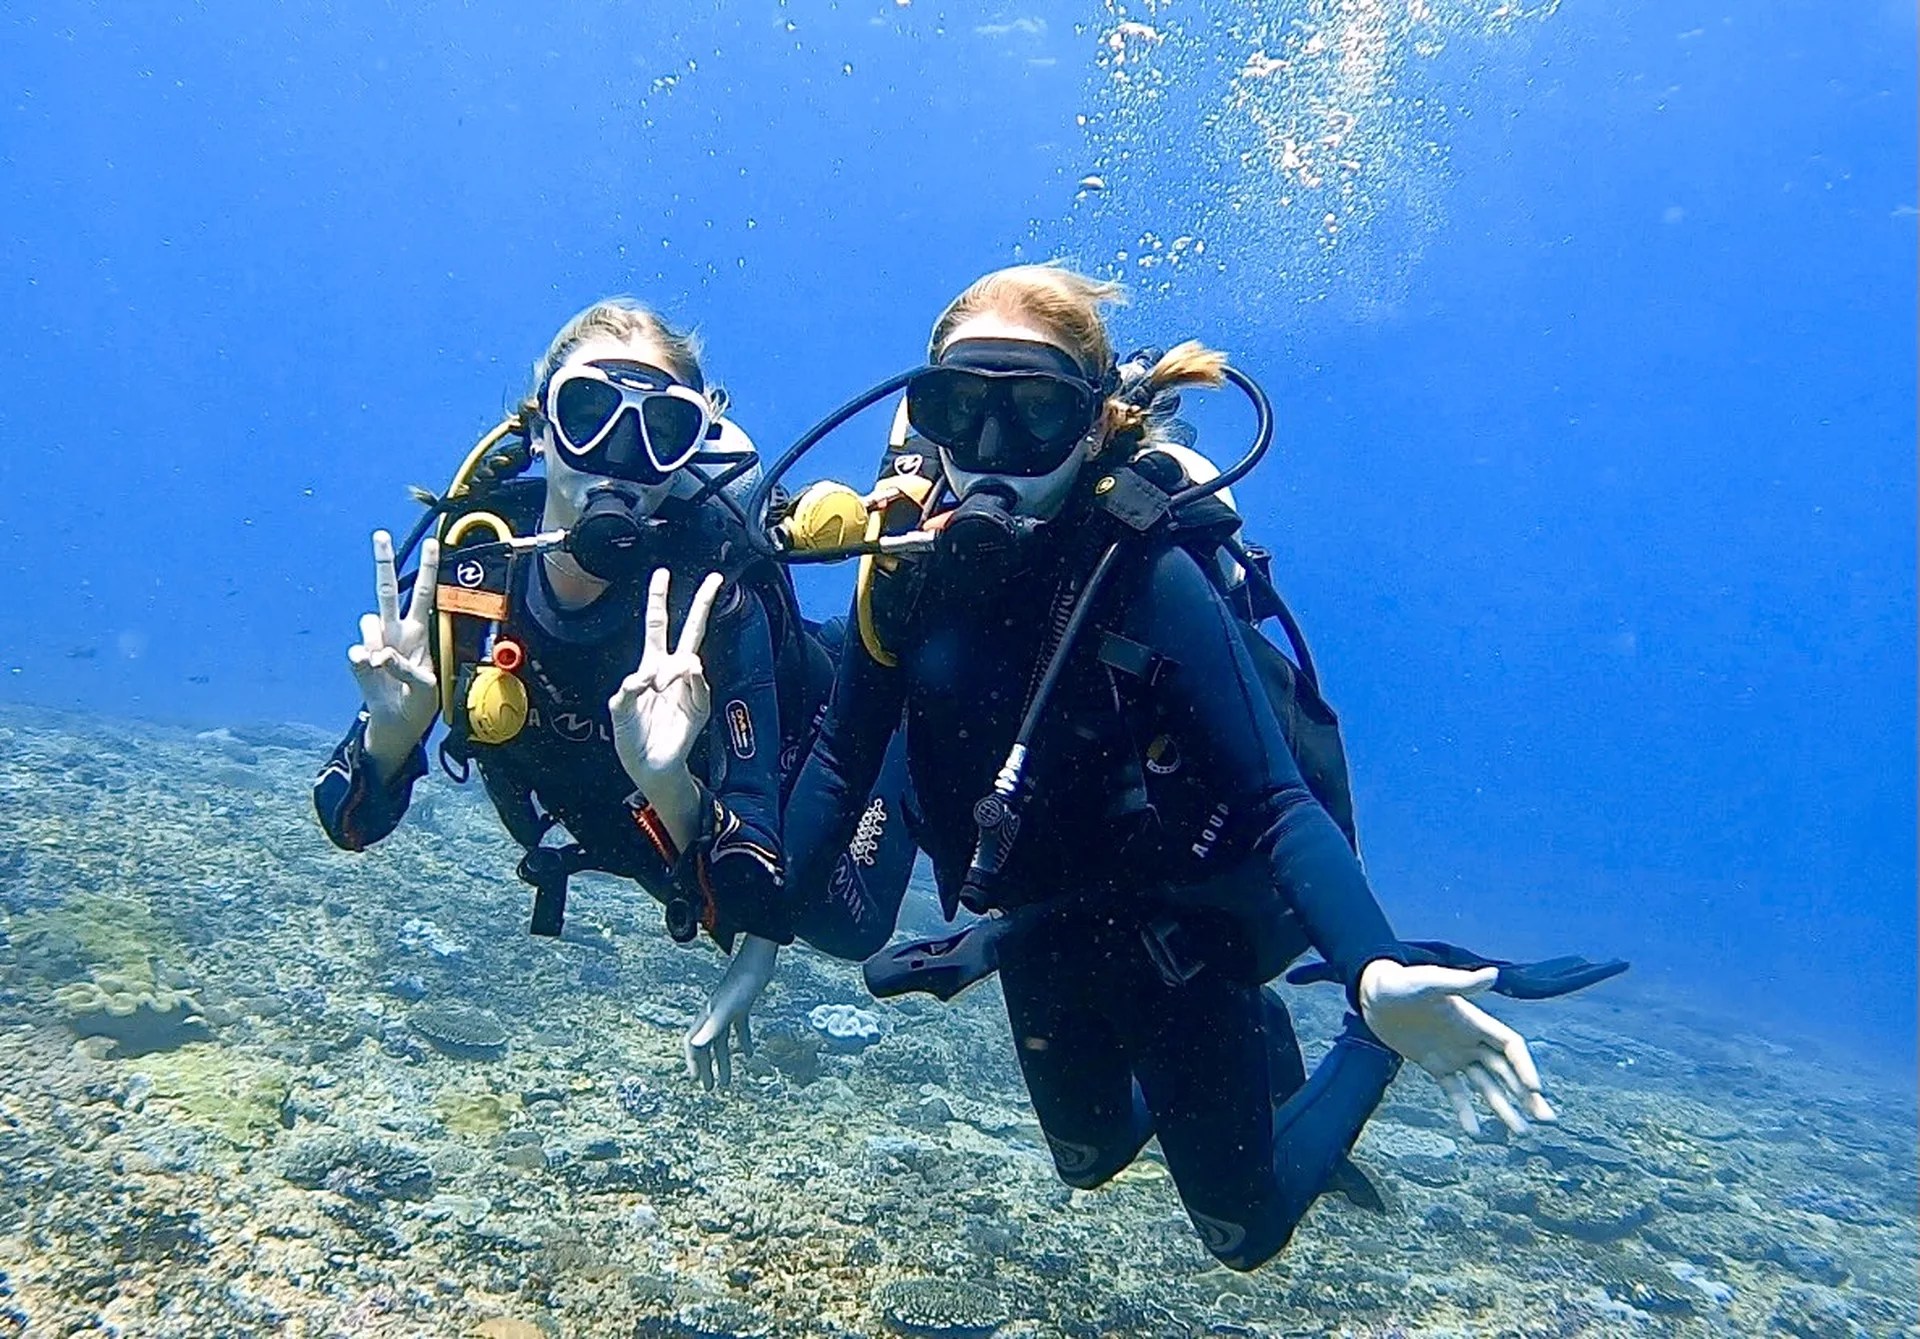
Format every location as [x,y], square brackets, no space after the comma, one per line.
[940,967]
[1554,977]
[1352,1184]
[1517,980]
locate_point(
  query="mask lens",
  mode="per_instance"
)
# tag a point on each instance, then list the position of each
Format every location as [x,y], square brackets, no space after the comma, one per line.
[674,429]
[947,407]
[1053,411]
[1011,423]
[582,408]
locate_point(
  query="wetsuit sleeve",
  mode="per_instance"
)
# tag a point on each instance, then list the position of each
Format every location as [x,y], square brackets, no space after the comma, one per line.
[734,870]
[1211,700]
[356,806]
[842,763]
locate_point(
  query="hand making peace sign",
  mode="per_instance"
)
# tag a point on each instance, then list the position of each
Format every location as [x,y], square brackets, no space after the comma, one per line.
[393,660]
[660,709]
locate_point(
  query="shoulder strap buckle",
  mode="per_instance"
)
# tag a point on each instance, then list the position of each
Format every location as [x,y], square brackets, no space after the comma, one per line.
[1131,500]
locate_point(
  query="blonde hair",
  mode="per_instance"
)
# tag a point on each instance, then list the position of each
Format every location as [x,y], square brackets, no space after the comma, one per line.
[1070,307]
[623,318]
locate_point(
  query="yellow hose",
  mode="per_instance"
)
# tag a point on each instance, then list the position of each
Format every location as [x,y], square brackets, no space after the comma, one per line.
[504,428]
[454,534]
[863,595]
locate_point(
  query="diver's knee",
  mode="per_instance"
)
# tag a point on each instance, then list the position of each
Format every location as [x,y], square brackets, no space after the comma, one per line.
[844,944]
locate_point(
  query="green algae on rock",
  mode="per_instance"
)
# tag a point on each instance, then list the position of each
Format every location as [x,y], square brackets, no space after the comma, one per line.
[479,1115]
[242,1100]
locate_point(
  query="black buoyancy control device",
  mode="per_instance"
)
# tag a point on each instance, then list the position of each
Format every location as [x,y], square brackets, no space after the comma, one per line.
[987,525]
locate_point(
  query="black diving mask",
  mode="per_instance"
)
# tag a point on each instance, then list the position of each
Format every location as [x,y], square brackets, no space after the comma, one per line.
[625,420]
[1011,407]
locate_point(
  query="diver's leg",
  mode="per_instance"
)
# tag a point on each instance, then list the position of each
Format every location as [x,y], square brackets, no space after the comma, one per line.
[1246,1170]
[1202,1053]
[1314,1130]
[1289,1067]
[1078,1079]
[854,915]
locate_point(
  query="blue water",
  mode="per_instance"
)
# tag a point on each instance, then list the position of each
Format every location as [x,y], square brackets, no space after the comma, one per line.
[1596,488]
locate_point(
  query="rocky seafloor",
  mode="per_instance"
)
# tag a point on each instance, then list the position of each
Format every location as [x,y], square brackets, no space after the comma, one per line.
[253,1086]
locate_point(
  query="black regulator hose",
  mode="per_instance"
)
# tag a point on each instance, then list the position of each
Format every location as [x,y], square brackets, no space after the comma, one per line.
[1262,439]
[762,491]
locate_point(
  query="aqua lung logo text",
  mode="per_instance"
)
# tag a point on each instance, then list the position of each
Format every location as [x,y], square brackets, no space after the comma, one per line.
[1072,1159]
[866,837]
[1208,836]
[570,725]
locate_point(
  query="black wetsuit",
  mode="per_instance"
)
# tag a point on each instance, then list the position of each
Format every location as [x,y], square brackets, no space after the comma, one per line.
[767,676]
[1170,862]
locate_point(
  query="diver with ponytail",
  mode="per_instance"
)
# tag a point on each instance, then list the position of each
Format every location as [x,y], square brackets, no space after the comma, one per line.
[1109,766]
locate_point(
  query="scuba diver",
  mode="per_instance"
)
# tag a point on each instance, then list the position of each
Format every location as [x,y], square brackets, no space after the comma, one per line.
[1144,799]
[524,632]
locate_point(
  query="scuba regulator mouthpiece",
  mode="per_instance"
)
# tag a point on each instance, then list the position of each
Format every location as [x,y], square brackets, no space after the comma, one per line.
[610,539]
[987,526]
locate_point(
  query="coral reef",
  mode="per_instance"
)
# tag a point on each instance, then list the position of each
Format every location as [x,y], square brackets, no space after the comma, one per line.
[131,1009]
[362,1169]
[844,1028]
[460,1031]
[315,1163]
[939,1308]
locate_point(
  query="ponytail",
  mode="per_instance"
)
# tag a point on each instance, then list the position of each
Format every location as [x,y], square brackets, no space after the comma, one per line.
[1130,421]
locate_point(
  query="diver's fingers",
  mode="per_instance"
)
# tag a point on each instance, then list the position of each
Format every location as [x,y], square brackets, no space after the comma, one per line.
[705,1030]
[656,643]
[372,635]
[1531,1099]
[386,585]
[746,1035]
[1513,1047]
[1498,1066]
[1495,1099]
[700,1056]
[695,630]
[723,1060]
[415,673]
[1455,1088]
[629,690]
[420,605]
[678,670]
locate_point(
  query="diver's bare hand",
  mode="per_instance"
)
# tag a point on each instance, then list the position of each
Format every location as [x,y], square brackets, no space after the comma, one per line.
[660,709]
[708,1044]
[1423,1013]
[393,660]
